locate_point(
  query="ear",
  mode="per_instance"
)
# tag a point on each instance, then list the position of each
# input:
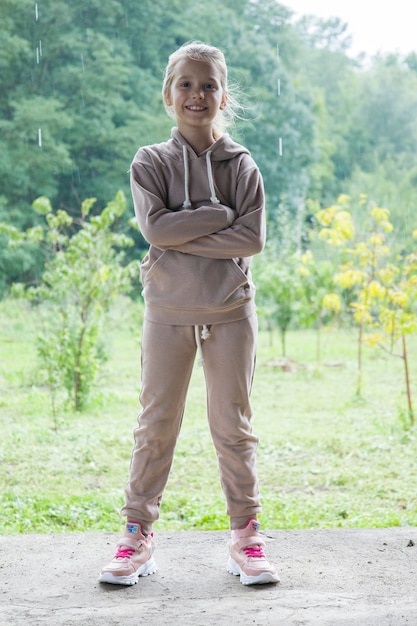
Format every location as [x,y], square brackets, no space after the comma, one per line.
[223,103]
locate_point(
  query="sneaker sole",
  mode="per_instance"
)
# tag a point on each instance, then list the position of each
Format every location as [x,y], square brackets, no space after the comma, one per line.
[146,569]
[262,579]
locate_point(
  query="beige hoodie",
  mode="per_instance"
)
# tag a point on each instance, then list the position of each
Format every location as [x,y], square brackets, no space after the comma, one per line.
[204,217]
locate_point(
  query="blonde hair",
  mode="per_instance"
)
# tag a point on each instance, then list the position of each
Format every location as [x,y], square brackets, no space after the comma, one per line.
[198,51]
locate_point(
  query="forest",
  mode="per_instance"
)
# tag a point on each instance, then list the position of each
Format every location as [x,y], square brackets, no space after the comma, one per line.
[80,92]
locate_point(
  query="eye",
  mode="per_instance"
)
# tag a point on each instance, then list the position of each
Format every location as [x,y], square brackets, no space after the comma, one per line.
[209,86]
[185,84]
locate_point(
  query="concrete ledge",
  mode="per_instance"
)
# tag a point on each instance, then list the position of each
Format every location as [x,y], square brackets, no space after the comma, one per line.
[329,578]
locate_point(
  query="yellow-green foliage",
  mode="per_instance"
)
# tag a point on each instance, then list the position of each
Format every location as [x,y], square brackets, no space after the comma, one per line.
[382,286]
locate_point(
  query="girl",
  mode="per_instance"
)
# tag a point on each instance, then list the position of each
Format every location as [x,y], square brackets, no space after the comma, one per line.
[199,202]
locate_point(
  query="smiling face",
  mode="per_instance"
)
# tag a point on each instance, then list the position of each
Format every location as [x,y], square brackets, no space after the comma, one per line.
[196,95]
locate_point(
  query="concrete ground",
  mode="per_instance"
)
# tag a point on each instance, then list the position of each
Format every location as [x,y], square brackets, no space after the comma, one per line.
[329,578]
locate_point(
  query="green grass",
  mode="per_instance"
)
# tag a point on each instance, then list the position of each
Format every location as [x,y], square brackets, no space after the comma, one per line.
[326,458]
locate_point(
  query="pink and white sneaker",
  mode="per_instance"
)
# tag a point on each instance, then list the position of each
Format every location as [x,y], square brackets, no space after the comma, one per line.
[134,558]
[247,558]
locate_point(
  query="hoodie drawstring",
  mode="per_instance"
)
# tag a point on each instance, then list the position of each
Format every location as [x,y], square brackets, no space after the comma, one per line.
[186,204]
[213,198]
[205,334]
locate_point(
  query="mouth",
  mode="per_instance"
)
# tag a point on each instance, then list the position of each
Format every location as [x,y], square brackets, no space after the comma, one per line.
[196,108]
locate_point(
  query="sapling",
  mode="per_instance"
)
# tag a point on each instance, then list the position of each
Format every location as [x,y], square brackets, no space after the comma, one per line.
[85,271]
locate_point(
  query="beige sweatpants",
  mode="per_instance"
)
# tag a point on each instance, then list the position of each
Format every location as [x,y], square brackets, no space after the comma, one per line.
[168,356]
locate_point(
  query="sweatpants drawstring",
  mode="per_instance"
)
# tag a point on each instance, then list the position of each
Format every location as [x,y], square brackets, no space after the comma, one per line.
[205,334]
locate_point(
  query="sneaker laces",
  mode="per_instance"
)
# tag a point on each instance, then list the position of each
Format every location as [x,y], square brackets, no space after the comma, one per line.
[254,552]
[124,552]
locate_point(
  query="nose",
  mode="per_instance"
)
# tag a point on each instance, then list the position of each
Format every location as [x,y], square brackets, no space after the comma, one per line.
[198,93]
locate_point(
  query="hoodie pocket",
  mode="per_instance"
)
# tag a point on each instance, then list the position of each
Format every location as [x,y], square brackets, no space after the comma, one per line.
[183,281]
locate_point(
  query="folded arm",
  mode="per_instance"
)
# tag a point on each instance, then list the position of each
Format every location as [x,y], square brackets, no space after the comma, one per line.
[245,236]
[167,228]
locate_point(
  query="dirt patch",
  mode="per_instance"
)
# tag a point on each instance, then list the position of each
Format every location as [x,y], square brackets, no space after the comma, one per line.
[329,578]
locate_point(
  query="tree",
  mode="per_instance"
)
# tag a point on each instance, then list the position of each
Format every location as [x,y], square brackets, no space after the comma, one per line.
[318,298]
[84,273]
[279,291]
[382,286]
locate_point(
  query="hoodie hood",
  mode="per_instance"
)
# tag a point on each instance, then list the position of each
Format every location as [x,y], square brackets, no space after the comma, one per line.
[223,149]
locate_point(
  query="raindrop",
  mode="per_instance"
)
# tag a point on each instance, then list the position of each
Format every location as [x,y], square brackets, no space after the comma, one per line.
[36,11]
[280,146]
[40,137]
[279,86]
[40,47]
[37,55]
[75,175]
